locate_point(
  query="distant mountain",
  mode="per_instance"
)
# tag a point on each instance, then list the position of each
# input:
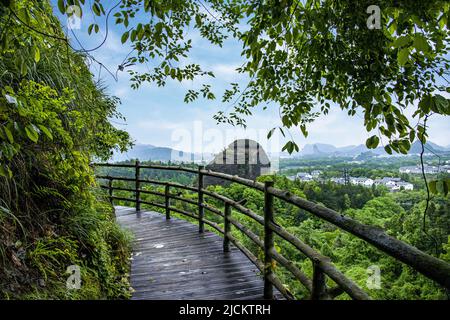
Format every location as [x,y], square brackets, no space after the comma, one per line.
[321,149]
[355,150]
[317,148]
[146,152]
[416,147]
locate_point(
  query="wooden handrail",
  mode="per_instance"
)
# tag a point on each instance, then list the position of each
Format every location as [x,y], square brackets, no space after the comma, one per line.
[137,186]
[269,244]
[201,211]
[433,268]
[227,228]
[167,200]
[319,286]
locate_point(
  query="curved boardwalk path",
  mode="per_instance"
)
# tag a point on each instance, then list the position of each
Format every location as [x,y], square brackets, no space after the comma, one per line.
[171,260]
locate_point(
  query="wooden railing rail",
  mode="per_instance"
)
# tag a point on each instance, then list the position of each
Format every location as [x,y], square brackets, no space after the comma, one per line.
[433,268]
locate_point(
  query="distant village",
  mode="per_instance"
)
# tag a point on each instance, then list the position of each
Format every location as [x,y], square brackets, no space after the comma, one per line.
[427,169]
[392,184]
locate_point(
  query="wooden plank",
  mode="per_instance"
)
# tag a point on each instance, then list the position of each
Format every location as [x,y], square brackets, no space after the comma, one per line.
[238,276]
[221,291]
[171,260]
[170,271]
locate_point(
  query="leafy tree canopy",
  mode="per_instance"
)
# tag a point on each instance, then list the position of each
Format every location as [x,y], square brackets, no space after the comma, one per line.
[304,56]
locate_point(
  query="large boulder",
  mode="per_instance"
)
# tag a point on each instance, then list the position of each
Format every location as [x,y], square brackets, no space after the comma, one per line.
[244,157]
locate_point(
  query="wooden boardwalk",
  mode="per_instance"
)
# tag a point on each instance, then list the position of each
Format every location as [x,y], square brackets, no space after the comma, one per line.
[171,260]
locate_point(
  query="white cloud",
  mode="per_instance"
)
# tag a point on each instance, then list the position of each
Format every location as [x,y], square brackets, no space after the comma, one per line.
[113,43]
[122,92]
[226,72]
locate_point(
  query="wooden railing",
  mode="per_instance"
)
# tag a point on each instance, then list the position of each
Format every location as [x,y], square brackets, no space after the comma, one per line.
[431,267]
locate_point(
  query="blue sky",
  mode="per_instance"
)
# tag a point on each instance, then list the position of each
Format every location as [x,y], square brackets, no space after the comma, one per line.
[158,116]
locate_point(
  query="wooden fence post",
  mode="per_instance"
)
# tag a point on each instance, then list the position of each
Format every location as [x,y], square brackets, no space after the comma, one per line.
[227,228]
[268,241]
[138,186]
[167,198]
[110,190]
[319,286]
[201,227]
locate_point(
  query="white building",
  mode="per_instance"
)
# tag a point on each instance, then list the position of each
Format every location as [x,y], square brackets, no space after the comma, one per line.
[316,173]
[410,169]
[338,180]
[387,180]
[304,176]
[394,184]
[393,188]
[367,182]
[418,169]
[405,185]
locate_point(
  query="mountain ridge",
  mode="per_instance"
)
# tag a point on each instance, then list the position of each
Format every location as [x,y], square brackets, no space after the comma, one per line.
[355,150]
[147,152]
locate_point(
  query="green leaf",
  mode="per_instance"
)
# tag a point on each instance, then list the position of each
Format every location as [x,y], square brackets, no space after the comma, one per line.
[304,131]
[96,9]
[133,35]
[61,6]
[125,37]
[166,69]
[432,185]
[9,135]
[24,15]
[90,28]
[426,103]
[5,172]
[46,131]
[388,149]
[37,54]
[31,133]
[420,43]
[412,135]
[372,142]
[403,56]
[198,19]
[404,146]
[441,105]
[401,41]
[270,133]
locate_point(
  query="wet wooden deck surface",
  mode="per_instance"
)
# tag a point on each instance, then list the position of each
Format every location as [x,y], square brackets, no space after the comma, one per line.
[172,261]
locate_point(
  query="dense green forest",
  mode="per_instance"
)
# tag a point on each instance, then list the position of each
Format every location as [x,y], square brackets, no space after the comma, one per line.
[53,123]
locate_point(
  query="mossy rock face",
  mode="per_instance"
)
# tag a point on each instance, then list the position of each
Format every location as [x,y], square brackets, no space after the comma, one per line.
[244,157]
